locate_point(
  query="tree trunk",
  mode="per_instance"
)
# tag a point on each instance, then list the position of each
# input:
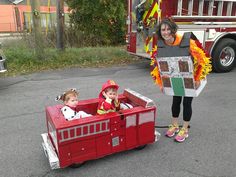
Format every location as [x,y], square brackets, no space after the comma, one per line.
[39,48]
[60,24]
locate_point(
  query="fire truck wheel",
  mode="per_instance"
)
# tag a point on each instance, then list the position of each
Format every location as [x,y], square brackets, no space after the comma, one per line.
[77,165]
[141,147]
[223,56]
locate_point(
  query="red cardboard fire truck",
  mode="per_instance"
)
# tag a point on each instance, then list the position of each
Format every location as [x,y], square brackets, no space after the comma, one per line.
[212,21]
[73,142]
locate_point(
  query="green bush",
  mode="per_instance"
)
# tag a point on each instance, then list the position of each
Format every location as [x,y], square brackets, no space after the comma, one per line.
[97,22]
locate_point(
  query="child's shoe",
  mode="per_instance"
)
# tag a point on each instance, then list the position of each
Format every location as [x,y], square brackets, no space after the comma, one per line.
[172,130]
[182,135]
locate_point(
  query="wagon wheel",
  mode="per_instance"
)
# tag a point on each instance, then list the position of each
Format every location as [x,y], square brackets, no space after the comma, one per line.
[77,165]
[141,147]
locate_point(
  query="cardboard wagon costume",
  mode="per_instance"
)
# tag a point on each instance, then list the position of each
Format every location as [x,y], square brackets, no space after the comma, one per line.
[177,67]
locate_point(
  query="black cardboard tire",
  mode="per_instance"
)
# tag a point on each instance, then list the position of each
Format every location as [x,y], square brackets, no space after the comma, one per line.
[77,165]
[141,147]
[224,55]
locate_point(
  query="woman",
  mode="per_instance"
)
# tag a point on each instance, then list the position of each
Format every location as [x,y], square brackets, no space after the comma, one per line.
[167,33]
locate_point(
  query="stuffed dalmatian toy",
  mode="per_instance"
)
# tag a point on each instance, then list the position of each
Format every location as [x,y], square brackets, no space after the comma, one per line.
[70,114]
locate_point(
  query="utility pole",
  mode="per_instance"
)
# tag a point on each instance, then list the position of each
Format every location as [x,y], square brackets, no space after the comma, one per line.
[35,6]
[60,24]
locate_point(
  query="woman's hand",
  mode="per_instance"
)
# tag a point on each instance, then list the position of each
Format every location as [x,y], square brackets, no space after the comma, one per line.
[197,84]
[162,89]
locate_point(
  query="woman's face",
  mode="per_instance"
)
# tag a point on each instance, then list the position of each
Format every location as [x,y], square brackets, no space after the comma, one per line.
[166,33]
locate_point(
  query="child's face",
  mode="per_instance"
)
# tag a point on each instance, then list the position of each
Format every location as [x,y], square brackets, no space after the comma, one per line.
[72,102]
[111,93]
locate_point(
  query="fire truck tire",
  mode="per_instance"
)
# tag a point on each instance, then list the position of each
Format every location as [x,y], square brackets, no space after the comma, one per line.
[141,147]
[77,165]
[224,55]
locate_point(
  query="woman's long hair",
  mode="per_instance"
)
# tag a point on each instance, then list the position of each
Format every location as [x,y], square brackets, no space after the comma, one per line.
[169,22]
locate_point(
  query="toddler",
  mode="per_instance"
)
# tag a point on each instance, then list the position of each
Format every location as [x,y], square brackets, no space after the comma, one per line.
[70,100]
[108,98]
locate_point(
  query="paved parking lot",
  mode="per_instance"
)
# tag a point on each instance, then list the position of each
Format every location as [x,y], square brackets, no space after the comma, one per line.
[210,150]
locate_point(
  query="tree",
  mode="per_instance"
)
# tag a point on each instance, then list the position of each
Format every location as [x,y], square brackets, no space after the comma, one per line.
[39,48]
[60,24]
[101,21]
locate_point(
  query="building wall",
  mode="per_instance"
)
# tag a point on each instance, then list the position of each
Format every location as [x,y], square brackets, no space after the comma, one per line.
[7,20]
[24,2]
[13,18]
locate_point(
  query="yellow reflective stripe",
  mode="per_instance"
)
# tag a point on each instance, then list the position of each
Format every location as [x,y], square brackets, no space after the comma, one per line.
[146,11]
[117,103]
[101,111]
[145,14]
[159,9]
[155,9]
[146,46]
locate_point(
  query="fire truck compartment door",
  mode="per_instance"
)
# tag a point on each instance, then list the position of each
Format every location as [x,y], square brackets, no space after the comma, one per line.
[83,150]
[146,127]
[131,131]
[132,42]
[64,156]
[103,145]
[118,140]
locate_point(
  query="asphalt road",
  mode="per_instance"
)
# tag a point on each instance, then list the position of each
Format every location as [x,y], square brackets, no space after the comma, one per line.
[210,150]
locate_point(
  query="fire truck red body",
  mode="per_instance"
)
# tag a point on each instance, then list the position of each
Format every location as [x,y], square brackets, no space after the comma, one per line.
[74,142]
[212,21]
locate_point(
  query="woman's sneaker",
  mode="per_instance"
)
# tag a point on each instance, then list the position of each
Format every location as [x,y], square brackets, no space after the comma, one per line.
[182,135]
[173,129]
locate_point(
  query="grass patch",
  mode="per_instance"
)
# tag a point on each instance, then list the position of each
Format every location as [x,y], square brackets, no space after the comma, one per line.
[21,59]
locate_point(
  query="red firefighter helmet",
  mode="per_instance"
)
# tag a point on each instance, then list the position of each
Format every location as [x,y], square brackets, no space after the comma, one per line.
[108,84]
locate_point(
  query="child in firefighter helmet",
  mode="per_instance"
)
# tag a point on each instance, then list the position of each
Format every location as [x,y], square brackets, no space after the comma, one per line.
[70,100]
[108,98]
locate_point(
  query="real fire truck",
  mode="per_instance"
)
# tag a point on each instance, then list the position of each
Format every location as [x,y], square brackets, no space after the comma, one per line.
[212,21]
[73,142]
